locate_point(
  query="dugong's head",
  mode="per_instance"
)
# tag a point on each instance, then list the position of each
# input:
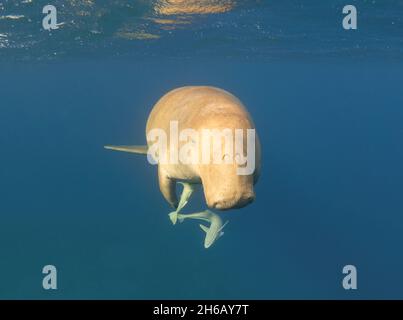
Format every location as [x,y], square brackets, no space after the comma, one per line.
[231,185]
[224,189]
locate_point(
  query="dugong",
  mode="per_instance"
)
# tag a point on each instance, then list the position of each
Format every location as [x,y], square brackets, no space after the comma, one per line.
[200,108]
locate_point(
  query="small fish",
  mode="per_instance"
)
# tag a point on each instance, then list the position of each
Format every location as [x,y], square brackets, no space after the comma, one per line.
[213,232]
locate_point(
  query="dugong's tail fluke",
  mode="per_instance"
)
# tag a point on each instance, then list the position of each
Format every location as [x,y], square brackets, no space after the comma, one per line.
[131,149]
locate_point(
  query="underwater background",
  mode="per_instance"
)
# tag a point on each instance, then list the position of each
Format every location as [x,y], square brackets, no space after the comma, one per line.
[328,107]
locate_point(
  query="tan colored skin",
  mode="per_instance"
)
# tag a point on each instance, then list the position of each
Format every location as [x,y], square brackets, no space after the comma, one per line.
[203,107]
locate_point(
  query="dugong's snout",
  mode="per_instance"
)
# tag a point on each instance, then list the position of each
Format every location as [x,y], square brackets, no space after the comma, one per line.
[234,202]
[224,189]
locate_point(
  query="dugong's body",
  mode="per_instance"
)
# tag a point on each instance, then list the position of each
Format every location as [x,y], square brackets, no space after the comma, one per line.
[203,107]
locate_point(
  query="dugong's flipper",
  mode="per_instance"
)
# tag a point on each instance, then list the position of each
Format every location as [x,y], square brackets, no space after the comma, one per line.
[167,187]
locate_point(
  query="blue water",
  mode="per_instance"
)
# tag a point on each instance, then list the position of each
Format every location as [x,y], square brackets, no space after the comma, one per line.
[327,104]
